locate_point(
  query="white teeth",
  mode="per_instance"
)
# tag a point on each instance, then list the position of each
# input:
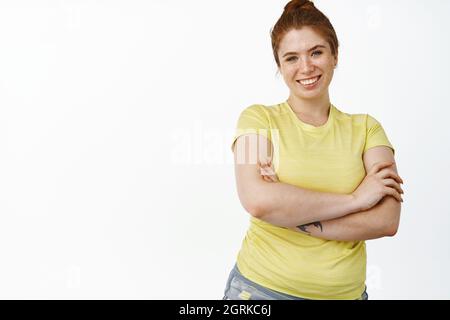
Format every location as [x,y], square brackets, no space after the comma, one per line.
[310,81]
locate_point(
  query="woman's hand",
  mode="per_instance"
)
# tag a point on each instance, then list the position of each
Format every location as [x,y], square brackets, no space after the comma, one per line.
[379,182]
[268,173]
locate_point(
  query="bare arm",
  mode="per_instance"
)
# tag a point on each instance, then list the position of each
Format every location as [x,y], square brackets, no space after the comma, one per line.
[280,203]
[379,221]
[287,205]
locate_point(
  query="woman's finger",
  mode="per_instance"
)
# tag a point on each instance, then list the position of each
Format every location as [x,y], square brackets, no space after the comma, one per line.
[379,165]
[272,177]
[268,171]
[265,169]
[392,183]
[267,178]
[384,174]
[394,193]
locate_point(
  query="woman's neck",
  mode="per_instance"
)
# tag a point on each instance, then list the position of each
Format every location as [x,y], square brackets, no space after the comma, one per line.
[312,109]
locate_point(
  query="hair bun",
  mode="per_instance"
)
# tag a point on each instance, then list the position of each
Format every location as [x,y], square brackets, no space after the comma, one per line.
[297,4]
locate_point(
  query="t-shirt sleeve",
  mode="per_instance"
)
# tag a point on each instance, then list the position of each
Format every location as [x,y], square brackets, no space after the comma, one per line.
[375,135]
[253,119]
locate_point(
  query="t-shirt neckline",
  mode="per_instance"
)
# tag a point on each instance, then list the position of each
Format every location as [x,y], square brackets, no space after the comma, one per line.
[307,126]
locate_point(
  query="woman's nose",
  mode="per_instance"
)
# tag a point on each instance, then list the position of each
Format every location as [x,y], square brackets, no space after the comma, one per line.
[306,66]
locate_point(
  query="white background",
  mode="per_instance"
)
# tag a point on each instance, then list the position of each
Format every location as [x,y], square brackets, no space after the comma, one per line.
[116,118]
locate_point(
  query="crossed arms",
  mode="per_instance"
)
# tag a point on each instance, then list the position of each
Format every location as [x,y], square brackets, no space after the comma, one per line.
[363,215]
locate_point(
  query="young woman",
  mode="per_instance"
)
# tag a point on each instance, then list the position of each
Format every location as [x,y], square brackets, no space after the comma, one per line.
[316,181]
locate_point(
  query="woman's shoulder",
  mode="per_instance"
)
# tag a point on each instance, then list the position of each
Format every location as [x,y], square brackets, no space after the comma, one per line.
[265,109]
[363,121]
[355,118]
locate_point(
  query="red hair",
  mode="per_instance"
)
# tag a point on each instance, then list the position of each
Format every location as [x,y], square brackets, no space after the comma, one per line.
[298,14]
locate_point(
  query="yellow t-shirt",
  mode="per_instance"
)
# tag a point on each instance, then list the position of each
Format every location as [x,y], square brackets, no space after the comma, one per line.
[327,158]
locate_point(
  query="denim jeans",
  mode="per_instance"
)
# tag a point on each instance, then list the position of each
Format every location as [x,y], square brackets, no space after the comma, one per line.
[240,288]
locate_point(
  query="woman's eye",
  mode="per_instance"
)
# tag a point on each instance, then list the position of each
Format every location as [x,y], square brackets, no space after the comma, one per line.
[318,53]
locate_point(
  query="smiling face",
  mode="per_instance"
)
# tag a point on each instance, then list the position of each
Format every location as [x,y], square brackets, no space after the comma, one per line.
[306,63]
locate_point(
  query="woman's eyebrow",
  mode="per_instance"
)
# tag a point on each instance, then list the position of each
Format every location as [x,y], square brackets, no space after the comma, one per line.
[313,48]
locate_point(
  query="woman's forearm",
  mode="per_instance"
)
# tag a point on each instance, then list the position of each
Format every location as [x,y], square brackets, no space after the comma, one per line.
[380,221]
[286,205]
